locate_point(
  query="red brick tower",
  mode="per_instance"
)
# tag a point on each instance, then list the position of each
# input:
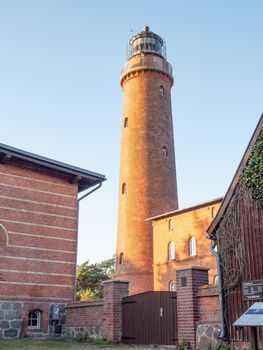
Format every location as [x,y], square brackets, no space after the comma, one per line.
[147,184]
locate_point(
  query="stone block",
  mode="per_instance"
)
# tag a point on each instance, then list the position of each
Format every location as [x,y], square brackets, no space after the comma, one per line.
[18,315]
[17,306]
[2,315]
[4,324]
[6,305]
[9,315]
[10,333]
[15,324]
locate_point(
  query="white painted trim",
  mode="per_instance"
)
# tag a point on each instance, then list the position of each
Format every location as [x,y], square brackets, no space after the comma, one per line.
[32,235]
[35,259]
[40,225]
[32,179]
[36,202]
[37,273]
[44,249]
[40,213]
[40,191]
[37,284]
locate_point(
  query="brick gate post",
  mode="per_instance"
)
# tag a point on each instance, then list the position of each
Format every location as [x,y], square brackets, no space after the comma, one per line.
[113,293]
[188,279]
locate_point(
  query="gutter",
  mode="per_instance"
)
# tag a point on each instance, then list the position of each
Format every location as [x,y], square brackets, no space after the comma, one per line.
[220,290]
[79,199]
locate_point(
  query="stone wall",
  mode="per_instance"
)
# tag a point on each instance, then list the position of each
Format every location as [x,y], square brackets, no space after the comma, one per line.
[10,319]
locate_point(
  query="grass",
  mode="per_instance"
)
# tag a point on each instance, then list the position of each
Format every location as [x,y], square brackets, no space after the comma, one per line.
[46,344]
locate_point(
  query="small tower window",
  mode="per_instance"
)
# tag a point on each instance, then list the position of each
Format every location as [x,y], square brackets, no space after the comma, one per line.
[121,259]
[164,152]
[172,286]
[192,246]
[161,90]
[123,188]
[170,225]
[171,251]
[125,124]
[34,319]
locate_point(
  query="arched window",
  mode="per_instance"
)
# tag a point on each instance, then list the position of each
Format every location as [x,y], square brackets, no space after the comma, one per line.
[34,319]
[171,251]
[192,246]
[123,188]
[125,124]
[170,225]
[164,152]
[215,280]
[121,259]
[161,90]
[213,212]
[172,286]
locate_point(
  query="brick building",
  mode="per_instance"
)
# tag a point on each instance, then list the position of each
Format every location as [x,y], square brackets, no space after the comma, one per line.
[38,239]
[179,240]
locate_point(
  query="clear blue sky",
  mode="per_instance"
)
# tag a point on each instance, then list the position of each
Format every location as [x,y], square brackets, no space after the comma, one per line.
[60,96]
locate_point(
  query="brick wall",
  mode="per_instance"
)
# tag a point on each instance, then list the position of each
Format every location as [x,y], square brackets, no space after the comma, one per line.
[84,317]
[38,227]
[208,305]
[98,318]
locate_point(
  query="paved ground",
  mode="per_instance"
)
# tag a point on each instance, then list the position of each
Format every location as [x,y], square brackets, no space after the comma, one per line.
[30,344]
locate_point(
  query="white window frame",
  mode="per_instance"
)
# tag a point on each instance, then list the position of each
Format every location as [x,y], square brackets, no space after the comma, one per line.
[171,250]
[172,286]
[164,152]
[31,319]
[192,246]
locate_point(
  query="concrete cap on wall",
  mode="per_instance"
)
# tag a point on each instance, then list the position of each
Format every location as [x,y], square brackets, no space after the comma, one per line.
[192,268]
[115,280]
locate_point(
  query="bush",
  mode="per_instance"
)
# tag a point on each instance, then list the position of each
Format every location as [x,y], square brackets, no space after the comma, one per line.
[183,346]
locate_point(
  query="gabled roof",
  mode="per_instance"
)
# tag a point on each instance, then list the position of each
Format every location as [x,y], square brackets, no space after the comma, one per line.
[183,210]
[231,190]
[84,178]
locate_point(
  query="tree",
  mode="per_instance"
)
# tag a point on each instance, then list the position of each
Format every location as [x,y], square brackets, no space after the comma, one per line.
[90,278]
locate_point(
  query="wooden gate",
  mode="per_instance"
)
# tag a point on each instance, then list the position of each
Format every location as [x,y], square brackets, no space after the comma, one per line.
[149,318]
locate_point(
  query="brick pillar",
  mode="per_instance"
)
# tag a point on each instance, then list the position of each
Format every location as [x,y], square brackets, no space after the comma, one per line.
[188,279]
[113,293]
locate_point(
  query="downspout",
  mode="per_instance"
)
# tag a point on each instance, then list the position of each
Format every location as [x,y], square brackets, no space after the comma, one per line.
[220,290]
[79,199]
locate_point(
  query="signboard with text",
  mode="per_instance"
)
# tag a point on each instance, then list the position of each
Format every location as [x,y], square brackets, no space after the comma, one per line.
[253,290]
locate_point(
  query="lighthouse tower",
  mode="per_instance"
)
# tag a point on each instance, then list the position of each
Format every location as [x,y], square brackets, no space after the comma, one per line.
[147,183]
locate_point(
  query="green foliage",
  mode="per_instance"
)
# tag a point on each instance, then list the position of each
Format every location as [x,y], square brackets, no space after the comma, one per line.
[252,175]
[183,346]
[90,278]
[223,346]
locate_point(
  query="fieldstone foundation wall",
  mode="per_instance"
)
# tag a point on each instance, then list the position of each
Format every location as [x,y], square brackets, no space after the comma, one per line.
[94,332]
[207,336]
[10,319]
